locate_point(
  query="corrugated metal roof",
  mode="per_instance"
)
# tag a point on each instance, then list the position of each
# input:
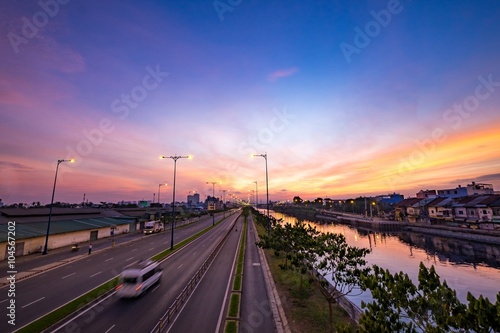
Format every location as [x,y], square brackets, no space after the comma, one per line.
[36,229]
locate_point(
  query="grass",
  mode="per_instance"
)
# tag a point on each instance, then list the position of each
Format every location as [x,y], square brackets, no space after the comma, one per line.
[305,306]
[231,326]
[234,306]
[237,283]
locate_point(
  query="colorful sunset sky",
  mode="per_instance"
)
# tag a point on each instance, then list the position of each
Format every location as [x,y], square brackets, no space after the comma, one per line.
[346,98]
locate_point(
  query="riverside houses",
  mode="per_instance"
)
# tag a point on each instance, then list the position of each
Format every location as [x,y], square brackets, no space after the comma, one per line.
[474,211]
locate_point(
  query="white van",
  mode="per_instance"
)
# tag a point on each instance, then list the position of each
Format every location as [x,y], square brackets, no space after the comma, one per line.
[137,278]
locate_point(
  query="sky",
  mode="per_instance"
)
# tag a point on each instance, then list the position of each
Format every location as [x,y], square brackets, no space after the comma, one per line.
[345,98]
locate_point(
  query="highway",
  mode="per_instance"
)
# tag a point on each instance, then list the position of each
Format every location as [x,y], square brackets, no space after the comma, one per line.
[141,315]
[46,291]
[208,300]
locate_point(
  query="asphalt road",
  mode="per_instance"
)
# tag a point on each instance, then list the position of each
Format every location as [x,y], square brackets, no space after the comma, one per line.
[141,315]
[40,294]
[202,311]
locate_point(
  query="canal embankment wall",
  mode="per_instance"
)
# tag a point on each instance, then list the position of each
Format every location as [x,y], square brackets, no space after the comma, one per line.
[491,237]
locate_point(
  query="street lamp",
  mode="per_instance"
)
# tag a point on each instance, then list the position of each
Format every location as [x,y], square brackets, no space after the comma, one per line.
[213,198]
[223,202]
[256,196]
[175,158]
[267,192]
[51,204]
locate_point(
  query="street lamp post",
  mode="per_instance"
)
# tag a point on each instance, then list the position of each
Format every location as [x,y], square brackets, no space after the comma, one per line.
[256,196]
[52,203]
[160,185]
[175,158]
[223,202]
[159,205]
[267,192]
[213,198]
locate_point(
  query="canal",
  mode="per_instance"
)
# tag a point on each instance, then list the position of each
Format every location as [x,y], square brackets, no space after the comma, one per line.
[466,266]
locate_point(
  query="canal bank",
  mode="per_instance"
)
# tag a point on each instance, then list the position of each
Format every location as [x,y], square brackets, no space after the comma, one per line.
[375,224]
[467,266]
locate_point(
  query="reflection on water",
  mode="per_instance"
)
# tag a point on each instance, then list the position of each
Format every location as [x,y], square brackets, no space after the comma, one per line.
[464,265]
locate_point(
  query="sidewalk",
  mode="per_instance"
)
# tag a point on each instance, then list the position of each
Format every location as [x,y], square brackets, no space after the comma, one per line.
[261,309]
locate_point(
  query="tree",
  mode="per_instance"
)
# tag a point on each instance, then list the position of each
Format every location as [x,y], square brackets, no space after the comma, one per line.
[343,264]
[400,306]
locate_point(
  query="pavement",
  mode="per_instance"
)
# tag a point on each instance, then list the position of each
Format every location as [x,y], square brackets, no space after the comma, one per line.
[261,309]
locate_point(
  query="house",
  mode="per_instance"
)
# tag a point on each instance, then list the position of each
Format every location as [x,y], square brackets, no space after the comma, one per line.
[427,194]
[495,207]
[440,210]
[471,189]
[408,210]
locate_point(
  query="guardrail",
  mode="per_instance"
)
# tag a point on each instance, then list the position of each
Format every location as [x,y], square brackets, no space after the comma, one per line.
[191,285]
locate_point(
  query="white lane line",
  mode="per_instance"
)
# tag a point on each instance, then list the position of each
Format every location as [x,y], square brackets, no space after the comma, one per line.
[108,259]
[194,253]
[151,249]
[110,329]
[129,259]
[96,274]
[32,302]
[68,275]
[158,286]
[134,250]
[180,266]
[5,300]
[83,312]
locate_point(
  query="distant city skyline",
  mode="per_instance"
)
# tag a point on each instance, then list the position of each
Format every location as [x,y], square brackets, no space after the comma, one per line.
[346,98]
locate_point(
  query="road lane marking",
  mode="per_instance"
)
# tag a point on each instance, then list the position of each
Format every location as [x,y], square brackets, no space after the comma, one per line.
[129,259]
[96,274]
[134,250]
[256,264]
[68,275]
[5,300]
[194,253]
[158,286]
[108,259]
[180,266]
[151,249]
[110,329]
[32,302]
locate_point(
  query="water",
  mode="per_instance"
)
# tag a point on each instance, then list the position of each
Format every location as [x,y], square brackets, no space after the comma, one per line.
[464,265]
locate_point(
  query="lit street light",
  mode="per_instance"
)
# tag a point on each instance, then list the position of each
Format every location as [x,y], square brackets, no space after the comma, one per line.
[52,203]
[267,192]
[175,158]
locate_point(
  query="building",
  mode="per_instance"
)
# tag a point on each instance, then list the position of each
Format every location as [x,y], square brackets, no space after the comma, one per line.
[193,200]
[427,194]
[471,189]
[440,210]
[68,226]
